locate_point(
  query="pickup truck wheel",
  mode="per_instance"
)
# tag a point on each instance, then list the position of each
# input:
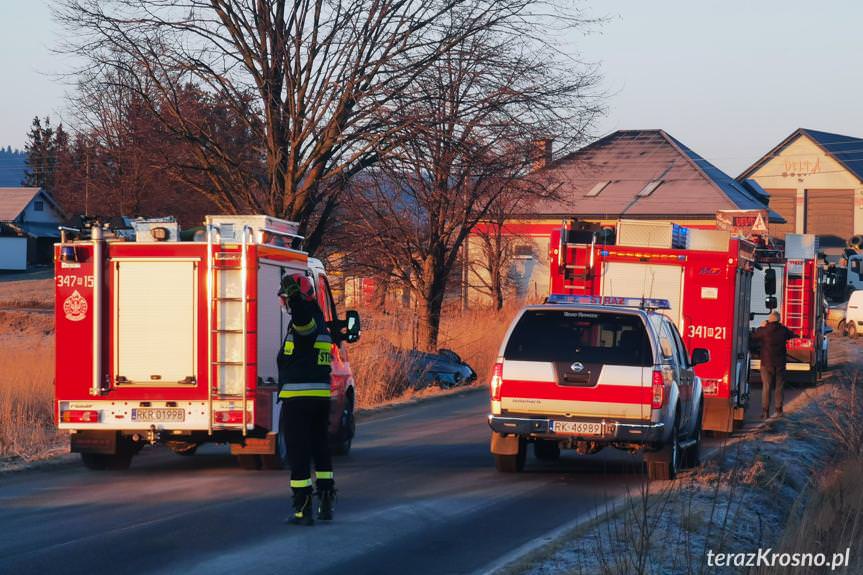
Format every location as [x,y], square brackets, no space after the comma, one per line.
[546,450]
[663,465]
[512,463]
[840,328]
[851,330]
[693,454]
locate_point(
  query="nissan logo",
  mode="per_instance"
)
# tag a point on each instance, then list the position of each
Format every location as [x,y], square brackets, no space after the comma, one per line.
[577,367]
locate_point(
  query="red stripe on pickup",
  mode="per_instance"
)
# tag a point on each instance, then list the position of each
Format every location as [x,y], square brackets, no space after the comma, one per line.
[599,394]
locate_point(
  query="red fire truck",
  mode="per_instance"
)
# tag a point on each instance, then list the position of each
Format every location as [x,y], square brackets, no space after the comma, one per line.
[704,274]
[175,342]
[790,280]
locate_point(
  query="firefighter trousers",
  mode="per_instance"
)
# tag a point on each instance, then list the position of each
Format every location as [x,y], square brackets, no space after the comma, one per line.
[772,379]
[306,424]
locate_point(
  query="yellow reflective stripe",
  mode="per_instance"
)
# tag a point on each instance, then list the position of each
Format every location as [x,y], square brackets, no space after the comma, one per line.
[287,394]
[300,483]
[323,345]
[306,328]
[324,474]
[289,347]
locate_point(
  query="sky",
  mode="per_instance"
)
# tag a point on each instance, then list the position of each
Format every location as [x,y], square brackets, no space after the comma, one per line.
[730,79]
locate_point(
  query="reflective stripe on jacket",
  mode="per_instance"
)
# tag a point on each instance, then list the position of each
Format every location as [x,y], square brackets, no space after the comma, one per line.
[306,354]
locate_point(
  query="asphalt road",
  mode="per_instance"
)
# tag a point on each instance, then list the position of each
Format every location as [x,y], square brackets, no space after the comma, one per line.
[418,494]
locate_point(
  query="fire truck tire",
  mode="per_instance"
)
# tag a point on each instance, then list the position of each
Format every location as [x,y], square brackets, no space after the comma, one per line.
[106,461]
[279,459]
[664,463]
[546,450]
[512,463]
[249,462]
[347,429]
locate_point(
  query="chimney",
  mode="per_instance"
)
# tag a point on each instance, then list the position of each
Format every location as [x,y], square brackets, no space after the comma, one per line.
[542,153]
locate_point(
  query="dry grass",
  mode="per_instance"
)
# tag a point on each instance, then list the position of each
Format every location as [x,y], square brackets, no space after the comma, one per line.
[832,520]
[381,371]
[26,385]
[27,294]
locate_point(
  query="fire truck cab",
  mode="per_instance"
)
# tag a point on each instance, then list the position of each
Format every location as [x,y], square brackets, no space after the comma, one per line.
[175,342]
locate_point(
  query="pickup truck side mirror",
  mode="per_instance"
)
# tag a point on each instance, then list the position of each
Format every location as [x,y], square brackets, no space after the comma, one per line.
[352,326]
[699,356]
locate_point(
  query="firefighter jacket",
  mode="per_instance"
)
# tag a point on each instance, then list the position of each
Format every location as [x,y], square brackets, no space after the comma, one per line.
[306,354]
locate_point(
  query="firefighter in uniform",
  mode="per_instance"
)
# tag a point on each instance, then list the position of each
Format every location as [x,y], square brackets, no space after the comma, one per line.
[304,380]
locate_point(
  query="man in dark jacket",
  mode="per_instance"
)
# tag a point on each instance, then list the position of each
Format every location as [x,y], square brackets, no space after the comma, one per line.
[304,380]
[771,339]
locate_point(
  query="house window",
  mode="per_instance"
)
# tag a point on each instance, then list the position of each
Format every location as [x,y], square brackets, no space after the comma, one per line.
[39,206]
[523,252]
[649,188]
[595,190]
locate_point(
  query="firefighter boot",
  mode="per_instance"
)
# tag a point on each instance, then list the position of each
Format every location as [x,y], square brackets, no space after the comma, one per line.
[327,498]
[302,508]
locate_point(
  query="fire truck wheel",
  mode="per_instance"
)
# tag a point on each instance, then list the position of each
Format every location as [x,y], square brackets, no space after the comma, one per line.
[250,462]
[663,464]
[546,450]
[278,460]
[347,429]
[105,461]
[512,463]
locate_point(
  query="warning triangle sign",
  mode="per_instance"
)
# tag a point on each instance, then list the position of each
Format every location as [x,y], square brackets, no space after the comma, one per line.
[759,225]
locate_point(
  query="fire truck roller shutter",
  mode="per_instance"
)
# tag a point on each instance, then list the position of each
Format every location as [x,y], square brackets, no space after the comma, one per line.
[646,280]
[155,319]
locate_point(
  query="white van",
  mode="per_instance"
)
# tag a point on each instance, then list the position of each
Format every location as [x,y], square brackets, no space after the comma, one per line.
[854,314]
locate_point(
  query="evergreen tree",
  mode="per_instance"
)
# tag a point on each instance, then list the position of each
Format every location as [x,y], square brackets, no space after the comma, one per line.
[41,155]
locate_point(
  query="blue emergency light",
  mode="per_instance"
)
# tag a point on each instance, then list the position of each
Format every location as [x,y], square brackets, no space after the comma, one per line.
[639,302]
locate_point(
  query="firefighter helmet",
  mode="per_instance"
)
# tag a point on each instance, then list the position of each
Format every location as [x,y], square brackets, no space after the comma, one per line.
[297,283]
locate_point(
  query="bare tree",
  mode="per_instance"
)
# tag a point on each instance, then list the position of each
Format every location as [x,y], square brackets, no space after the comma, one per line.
[325,75]
[470,125]
[489,270]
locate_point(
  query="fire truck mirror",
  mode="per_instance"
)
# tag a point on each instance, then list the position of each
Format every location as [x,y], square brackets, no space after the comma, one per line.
[352,326]
[770,281]
[770,302]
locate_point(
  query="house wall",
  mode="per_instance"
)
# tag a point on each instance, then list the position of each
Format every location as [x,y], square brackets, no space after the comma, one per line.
[47,216]
[805,168]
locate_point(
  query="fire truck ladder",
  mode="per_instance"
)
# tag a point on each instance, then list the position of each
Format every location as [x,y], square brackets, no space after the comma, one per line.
[795,296]
[582,271]
[227,325]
